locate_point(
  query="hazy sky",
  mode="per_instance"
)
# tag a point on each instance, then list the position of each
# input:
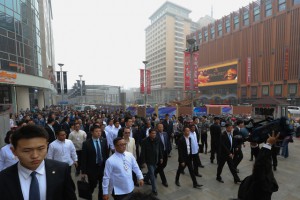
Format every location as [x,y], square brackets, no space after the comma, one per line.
[104,40]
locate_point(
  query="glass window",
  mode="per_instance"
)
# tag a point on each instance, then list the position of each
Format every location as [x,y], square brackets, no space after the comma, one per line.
[281,5]
[227,24]
[253,91]
[212,32]
[205,35]
[246,18]
[296,2]
[244,91]
[256,13]
[200,37]
[236,22]
[292,88]
[265,90]
[278,89]
[220,29]
[268,8]
[9,4]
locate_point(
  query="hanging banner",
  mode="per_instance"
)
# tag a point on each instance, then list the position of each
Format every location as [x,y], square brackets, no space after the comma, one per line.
[142,84]
[132,110]
[187,71]
[148,81]
[58,85]
[166,110]
[150,111]
[286,64]
[248,70]
[200,111]
[195,68]
[65,82]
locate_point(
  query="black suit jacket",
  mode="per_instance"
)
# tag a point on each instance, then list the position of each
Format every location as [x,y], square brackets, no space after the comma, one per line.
[88,156]
[60,185]
[50,133]
[215,132]
[182,150]
[225,147]
[166,140]
[168,127]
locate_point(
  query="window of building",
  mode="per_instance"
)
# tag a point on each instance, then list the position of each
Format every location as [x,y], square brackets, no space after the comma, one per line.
[246,18]
[205,35]
[244,91]
[212,32]
[278,90]
[253,91]
[236,22]
[281,5]
[200,37]
[227,24]
[268,8]
[292,89]
[220,29]
[265,90]
[256,13]
[296,2]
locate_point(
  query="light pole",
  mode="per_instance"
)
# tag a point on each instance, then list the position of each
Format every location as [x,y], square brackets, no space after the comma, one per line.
[145,83]
[61,88]
[191,42]
[80,76]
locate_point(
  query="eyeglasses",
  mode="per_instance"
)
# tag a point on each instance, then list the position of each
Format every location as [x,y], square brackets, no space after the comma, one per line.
[127,132]
[123,144]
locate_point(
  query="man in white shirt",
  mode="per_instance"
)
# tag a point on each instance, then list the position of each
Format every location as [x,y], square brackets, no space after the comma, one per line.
[195,150]
[110,125]
[78,136]
[113,134]
[118,172]
[63,150]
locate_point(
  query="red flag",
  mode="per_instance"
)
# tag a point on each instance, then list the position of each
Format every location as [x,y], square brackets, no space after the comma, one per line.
[187,71]
[148,81]
[142,84]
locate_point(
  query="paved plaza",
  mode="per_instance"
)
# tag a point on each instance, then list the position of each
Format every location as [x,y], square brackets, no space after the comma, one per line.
[287,176]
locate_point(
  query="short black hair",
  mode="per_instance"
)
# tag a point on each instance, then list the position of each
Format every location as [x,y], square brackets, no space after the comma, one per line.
[28,132]
[94,127]
[50,120]
[152,129]
[239,122]
[127,118]
[116,140]
[58,131]
[227,125]
[8,134]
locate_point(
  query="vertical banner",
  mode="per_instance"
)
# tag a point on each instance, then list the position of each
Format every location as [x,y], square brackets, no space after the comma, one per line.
[142,84]
[148,81]
[187,71]
[195,68]
[248,70]
[286,64]
[65,82]
[58,84]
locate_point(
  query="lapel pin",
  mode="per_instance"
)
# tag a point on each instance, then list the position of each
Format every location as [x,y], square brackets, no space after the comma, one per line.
[53,172]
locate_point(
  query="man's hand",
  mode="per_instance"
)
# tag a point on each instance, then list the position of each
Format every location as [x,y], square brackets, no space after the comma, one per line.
[84,176]
[231,155]
[161,161]
[141,182]
[144,165]
[272,139]
[182,164]
[105,197]
[76,164]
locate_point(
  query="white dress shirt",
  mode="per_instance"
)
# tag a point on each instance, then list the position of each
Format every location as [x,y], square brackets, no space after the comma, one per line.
[62,151]
[111,135]
[118,173]
[130,146]
[77,137]
[147,131]
[25,180]
[187,140]
[7,158]
[195,146]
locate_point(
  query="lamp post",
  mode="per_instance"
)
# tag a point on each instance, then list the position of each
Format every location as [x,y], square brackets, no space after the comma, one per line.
[191,42]
[61,88]
[145,83]
[80,76]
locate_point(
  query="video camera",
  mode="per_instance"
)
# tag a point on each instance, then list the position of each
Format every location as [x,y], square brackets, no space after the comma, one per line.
[259,132]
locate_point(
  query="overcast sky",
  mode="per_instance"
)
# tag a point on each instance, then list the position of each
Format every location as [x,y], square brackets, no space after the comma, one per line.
[104,40]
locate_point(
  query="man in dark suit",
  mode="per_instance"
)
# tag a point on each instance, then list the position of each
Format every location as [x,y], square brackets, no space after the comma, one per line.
[168,128]
[94,156]
[225,154]
[215,133]
[145,130]
[50,130]
[238,154]
[185,157]
[35,177]
[165,145]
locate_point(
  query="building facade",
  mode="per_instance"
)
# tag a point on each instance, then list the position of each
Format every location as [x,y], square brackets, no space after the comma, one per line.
[251,54]
[26,54]
[165,43]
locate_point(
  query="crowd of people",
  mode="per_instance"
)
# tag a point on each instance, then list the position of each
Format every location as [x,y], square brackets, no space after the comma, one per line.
[109,149]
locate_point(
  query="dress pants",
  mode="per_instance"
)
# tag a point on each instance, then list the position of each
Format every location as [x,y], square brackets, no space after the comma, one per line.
[78,168]
[221,163]
[214,145]
[122,196]
[96,178]
[188,163]
[238,157]
[161,166]
[150,175]
[196,163]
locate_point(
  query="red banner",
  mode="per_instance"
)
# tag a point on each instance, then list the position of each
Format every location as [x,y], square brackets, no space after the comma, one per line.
[148,81]
[286,64]
[195,68]
[187,71]
[142,84]
[248,70]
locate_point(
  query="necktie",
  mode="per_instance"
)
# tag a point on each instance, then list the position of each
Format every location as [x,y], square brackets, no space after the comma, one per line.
[99,154]
[230,139]
[34,190]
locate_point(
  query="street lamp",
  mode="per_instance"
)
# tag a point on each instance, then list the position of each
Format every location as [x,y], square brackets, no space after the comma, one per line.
[191,49]
[80,76]
[61,88]
[145,83]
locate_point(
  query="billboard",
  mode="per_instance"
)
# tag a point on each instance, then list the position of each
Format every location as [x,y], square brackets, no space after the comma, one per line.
[218,74]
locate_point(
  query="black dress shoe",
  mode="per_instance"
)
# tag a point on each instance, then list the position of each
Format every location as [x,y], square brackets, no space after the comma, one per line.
[199,175]
[147,182]
[165,184]
[201,166]
[274,168]
[182,172]
[177,183]
[211,161]
[237,181]
[220,180]
[154,193]
[237,171]
[197,186]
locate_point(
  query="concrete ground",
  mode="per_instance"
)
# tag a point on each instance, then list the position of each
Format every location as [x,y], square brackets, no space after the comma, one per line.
[287,176]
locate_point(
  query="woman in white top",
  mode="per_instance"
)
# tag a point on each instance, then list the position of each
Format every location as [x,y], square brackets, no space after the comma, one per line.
[130,142]
[7,158]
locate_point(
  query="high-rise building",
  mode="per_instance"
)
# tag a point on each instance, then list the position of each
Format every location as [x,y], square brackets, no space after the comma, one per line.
[165,46]
[26,54]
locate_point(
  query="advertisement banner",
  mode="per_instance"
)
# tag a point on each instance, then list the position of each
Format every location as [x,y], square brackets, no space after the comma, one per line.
[218,75]
[142,84]
[166,110]
[200,111]
[187,71]
[149,111]
[227,110]
[132,110]
[286,64]
[248,70]
[195,68]
[148,81]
